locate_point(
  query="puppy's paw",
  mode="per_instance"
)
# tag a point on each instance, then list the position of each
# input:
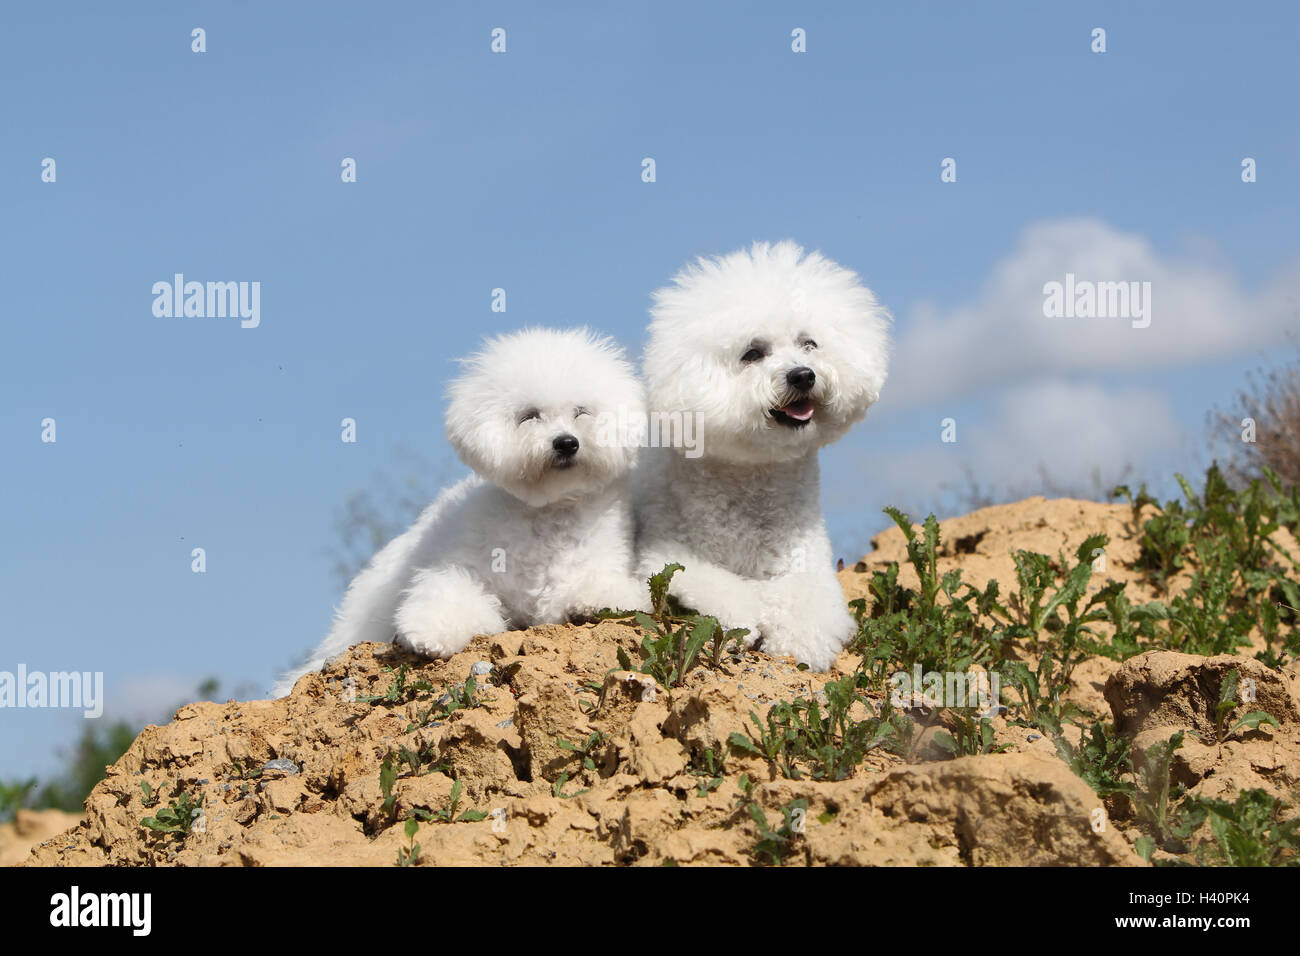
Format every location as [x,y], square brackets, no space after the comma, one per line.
[613,592]
[733,607]
[813,633]
[442,611]
[426,645]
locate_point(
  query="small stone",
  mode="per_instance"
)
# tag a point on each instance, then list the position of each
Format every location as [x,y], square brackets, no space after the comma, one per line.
[480,668]
[280,765]
[508,722]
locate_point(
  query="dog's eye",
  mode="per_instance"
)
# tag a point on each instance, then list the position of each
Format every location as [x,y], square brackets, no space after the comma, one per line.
[809,345]
[529,415]
[753,355]
[580,411]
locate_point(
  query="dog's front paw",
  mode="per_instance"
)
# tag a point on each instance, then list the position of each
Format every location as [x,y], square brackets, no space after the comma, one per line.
[812,633]
[613,593]
[425,643]
[443,610]
[438,631]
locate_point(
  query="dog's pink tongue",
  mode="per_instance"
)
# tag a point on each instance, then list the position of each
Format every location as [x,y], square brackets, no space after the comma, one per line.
[801,410]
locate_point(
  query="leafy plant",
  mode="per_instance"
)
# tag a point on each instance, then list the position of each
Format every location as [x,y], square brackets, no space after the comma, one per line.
[1041,690]
[1249,831]
[1102,759]
[557,788]
[387,780]
[418,761]
[243,771]
[1239,574]
[399,691]
[1135,502]
[775,845]
[459,697]
[584,750]
[798,736]
[1157,797]
[708,768]
[973,735]
[448,813]
[1228,702]
[673,640]
[945,625]
[1061,623]
[179,816]
[409,855]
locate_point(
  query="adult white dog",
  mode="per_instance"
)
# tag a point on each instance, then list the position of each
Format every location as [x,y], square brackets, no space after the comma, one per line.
[540,532]
[773,352]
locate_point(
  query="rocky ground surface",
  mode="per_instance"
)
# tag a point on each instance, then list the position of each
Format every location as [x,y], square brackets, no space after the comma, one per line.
[302,780]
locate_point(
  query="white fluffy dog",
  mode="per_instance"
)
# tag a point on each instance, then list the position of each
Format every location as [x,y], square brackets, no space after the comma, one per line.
[773,353]
[542,531]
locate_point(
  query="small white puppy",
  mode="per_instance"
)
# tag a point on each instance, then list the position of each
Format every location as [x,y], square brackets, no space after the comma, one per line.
[543,528]
[774,353]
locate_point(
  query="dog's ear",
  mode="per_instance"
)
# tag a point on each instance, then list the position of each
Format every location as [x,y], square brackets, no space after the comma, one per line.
[475,425]
[480,408]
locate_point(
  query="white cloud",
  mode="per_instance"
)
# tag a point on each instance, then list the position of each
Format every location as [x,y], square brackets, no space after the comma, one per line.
[1199,311]
[1072,429]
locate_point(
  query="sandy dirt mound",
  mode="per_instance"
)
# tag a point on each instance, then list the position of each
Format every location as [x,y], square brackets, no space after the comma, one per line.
[1159,693]
[981,543]
[31,828]
[559,756]
[297,781]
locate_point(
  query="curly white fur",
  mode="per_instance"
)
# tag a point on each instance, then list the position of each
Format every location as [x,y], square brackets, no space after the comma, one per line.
[535,535]
[744,516]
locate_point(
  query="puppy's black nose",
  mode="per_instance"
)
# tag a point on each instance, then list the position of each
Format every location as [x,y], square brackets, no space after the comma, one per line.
[565,445]
[801,378]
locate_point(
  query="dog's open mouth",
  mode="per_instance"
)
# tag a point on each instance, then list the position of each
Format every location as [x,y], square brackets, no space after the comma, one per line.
[796,414]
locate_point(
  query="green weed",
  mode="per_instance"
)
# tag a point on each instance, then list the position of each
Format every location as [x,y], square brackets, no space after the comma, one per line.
[774,846]
[179,816]
[1249,831]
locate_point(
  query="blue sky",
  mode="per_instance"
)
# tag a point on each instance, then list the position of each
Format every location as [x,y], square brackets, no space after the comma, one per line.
[522,170]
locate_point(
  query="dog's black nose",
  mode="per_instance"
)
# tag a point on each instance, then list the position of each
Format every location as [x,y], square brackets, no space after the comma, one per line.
[801,378]
[565,445]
